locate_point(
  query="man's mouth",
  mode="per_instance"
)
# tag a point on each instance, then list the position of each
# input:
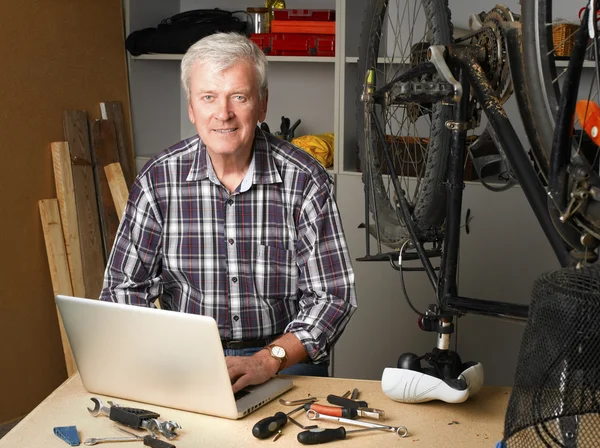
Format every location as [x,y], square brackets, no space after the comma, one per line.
[225,131]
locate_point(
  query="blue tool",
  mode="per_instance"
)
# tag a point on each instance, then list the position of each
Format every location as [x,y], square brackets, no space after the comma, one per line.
[68,434]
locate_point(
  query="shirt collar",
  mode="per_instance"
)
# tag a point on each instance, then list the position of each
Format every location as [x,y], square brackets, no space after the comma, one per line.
[262,169]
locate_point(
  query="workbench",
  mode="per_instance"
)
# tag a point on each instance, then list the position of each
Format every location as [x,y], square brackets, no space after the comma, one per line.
[478,422]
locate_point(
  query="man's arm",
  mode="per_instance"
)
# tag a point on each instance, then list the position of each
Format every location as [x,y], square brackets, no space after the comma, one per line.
[326,279]
[261,366]
[131,274]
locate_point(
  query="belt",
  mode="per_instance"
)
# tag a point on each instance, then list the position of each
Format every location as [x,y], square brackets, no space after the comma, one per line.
[248,344]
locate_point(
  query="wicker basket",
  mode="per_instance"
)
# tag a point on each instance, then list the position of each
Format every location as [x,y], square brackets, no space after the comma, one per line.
[563,37]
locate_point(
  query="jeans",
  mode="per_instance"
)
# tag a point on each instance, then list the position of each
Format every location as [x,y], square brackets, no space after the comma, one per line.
[302,368]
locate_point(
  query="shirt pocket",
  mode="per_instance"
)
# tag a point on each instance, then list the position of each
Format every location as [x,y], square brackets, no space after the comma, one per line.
[275,273]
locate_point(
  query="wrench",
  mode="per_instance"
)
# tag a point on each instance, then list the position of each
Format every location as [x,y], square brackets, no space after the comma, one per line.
[152,425]
[95,440]
[99,408]
[400,430]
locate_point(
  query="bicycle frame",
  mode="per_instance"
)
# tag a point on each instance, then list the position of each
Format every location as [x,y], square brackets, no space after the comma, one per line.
[465,61]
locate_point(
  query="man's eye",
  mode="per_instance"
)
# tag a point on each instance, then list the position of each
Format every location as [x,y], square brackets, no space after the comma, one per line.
[240,97]
[207,97]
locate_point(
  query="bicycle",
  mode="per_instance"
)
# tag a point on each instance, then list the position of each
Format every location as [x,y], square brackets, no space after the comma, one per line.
[438,86]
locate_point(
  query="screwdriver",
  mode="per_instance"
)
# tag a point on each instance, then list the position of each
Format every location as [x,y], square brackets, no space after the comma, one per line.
[344,412]
[324,435]
[269,426]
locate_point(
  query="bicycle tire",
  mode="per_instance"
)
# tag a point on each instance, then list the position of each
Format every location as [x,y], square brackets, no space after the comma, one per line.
[428,203]
[540,71]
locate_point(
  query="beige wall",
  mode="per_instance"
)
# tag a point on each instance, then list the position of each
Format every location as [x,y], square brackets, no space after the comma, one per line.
[55,55]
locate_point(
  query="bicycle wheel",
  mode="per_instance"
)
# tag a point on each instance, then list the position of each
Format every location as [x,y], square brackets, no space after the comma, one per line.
[395,37]
[540,73]
[543,50]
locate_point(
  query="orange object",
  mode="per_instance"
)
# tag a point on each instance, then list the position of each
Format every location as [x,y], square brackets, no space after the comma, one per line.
[588,114]
[302,27]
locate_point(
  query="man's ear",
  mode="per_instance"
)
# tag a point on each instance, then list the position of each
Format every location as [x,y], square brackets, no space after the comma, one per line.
[263,106]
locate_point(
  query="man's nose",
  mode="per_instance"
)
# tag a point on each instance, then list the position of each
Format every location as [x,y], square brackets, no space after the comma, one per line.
[224,111]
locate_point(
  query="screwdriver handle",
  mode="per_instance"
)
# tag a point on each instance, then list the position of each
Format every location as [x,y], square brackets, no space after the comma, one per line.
[269,426]
[334,411]
[321,435]
[157,443]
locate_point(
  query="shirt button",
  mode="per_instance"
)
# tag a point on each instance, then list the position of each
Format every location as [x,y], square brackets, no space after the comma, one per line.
[230,202]
[236,318]
[231,241]
[234,279]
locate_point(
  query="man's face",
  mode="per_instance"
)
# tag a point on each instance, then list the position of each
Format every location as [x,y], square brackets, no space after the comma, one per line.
[225,108]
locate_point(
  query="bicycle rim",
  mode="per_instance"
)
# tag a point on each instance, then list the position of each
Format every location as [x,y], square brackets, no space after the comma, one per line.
[395,36]
[544,78]
[540,72]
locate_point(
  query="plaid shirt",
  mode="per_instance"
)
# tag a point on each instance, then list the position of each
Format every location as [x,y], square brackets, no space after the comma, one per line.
[269,258]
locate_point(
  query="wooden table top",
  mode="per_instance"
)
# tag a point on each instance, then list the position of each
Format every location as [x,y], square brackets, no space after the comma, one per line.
[476,423]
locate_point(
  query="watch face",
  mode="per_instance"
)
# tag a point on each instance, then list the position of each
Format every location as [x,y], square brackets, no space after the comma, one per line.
[278,351]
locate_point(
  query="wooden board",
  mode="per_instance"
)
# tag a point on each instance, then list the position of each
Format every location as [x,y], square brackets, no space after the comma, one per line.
[104,152]
[118,188]
[59,266]
[114,113]
[77,135]
[63,179]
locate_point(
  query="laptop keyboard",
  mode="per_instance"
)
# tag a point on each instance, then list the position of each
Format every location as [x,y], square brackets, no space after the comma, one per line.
[240,394]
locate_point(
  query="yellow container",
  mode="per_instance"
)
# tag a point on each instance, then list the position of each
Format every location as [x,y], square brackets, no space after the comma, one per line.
[273,4]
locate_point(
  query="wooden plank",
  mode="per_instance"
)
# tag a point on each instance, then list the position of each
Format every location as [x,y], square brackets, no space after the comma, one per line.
[59,266]
[114,113]
[118,187]
[77,135]
[63,179]
[104,152]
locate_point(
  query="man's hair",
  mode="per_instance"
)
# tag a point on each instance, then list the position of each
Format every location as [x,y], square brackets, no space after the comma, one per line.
[220,51]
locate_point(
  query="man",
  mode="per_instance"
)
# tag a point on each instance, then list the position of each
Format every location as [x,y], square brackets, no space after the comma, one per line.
[238,225]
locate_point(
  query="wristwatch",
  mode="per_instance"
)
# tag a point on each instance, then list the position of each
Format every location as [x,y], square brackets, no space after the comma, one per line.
[279,354]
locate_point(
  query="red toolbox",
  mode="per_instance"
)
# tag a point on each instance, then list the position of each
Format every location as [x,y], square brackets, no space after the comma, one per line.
[302,26]
[304,14]
[290,44]
[263,40]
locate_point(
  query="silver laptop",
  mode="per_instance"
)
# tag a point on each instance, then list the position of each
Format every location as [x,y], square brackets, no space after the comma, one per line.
[158,357]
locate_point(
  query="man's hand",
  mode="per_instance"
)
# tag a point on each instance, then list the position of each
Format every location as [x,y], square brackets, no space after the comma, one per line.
[247,370]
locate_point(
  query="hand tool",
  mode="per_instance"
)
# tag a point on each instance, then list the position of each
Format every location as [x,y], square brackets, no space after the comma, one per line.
[344,412]
[354,394]
[346,402]
[400,430]
[135,418]
[131,417]
[297,402]
[345,395]
[270,425]
[148,440]
[323,435]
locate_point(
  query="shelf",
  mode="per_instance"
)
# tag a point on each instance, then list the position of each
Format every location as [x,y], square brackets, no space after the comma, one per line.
[565,63]
[354,60]
[178,57]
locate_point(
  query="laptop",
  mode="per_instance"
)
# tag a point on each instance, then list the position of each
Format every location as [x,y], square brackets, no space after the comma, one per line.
[158,357]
